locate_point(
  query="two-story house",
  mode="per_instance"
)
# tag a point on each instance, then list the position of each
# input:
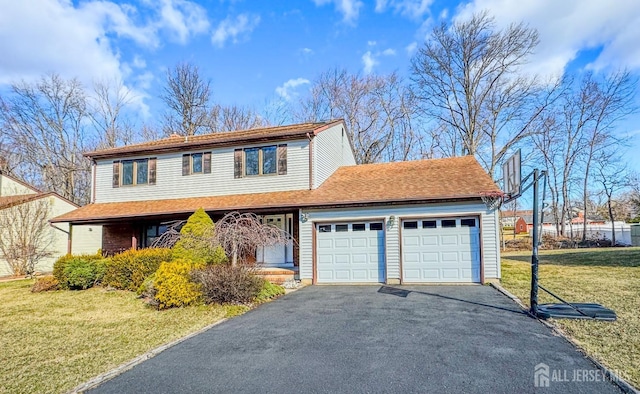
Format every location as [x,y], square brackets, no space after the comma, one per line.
[410,222]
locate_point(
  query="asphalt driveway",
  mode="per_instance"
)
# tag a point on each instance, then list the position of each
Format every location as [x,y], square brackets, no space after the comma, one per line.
[370,339]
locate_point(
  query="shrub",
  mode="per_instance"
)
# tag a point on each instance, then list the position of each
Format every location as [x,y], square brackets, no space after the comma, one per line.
[45,283]
[227,284]
[61,263]
[269,291]
[83,274]
[127,270]
[195,241]
[173,286]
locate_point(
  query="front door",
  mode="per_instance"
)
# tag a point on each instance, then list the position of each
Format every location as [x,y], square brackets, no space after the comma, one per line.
[273,255]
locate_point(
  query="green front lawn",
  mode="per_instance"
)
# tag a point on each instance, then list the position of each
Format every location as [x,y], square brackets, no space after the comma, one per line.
[53,341]
[610,277]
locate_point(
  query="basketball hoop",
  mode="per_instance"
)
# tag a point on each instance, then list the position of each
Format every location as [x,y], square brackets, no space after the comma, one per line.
[493,199]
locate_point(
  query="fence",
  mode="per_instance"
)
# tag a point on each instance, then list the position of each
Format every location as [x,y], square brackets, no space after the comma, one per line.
[596,231]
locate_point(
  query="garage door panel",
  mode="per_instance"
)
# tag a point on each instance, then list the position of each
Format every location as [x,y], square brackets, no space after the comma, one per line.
[429,257]
[354,256]
[429,240]
[448,257]
[442,254]
[411,240]
[325,243]
[449,239]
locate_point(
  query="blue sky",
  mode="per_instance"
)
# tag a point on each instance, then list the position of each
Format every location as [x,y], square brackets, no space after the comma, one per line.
[257,51]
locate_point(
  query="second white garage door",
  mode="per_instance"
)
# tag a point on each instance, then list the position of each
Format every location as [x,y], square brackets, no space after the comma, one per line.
[441,250]
[350,252]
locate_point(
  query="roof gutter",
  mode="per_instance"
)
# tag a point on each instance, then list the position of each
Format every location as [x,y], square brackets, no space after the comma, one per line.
[105,219]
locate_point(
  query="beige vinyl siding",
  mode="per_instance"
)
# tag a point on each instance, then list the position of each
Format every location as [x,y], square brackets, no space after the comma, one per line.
[490,244]
[331,149]
[170,183]
[9,187]
[87,239]
[59,232]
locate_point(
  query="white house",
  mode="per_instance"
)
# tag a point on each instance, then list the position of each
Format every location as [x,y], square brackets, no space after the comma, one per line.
[20,199]
[406,222]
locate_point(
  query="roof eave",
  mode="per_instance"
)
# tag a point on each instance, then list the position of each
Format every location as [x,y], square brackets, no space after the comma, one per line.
[322,205]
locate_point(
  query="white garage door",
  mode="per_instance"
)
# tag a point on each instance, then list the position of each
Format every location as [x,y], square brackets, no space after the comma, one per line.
[441,250]
[350,252]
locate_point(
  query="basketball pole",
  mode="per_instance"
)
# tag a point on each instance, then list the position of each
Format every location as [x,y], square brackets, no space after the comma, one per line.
[534,255]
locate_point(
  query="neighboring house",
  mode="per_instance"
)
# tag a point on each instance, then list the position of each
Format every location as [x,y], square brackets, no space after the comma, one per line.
[19,198]
[520,226]
[591,219]
[410,222]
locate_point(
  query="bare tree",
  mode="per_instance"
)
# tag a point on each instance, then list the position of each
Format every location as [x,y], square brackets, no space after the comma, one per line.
[45,124]
[240,234]
[106,110]
[467,78]
[377,111]
[26,236]
[186,96]
[613,177]
[606,102]
[234,117]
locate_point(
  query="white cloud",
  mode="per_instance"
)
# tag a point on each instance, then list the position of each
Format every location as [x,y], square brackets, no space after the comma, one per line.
[234,29]
[307,51]
[414,9]
[287,90]
[183,19]
[411,48]
[369,61]
[389,52]
[82,40]
[350,9]
[371,43]
[569,26]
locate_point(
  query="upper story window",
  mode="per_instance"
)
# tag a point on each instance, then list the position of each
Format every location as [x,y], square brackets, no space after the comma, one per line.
[263,160]
[196,163]
[134,172]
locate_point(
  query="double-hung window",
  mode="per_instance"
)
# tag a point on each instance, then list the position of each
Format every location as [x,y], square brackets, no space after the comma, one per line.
[134,172]
[196,163]
[263,160]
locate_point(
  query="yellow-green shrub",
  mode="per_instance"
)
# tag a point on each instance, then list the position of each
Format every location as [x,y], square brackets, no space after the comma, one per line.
[173,286]
[129,269]
[60,265]
[269,291]
[195,240]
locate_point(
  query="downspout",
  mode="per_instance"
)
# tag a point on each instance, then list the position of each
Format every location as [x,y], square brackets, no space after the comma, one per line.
[66,232]
[310,161]
[93,181]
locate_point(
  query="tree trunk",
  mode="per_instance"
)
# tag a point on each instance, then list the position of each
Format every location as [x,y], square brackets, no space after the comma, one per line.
[613,225]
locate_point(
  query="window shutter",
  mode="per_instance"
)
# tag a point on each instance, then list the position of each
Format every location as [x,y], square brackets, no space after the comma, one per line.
[206,163]
[186,161]
[282,159]
[152,171]
[116,173]
[237,163]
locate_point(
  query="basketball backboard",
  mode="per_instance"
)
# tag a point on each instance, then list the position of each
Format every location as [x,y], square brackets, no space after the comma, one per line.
[511,175]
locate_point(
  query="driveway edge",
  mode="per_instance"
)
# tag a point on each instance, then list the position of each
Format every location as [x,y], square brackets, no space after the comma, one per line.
[625,386]
[98,380]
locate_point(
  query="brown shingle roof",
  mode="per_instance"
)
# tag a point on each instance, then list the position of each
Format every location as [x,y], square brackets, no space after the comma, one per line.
[175,143]
[9,201]
[412,181]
